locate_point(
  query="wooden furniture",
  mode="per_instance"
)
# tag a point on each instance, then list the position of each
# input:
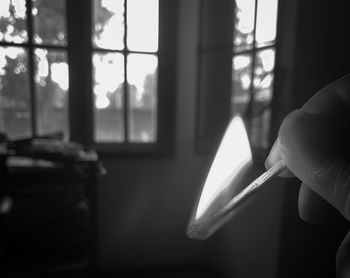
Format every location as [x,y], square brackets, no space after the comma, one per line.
[48,212]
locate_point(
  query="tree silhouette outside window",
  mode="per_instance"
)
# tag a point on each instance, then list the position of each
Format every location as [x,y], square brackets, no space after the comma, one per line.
[34,79]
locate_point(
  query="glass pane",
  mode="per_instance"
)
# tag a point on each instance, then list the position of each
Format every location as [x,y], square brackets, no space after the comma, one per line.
[263,92]
[142,22]
[260,127]
[244,25]
[13,25]
[51,81]
[108,31]
[266,22]
[49,22]
[109,97]
[263,75]
[142,110]
[15,114]
[241,83]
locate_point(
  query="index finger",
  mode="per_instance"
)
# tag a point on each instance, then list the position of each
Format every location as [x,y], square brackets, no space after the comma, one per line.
[333,102]
[313,142]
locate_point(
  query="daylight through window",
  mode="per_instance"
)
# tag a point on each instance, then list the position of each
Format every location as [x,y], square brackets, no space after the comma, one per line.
[125,70]
[33,68]
[253,66]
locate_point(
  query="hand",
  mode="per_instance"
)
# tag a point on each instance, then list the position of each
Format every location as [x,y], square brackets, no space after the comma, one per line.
[314,144]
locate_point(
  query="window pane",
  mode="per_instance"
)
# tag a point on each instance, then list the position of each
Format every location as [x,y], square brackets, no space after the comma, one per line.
[142,110]
[108,31]
[109,97]
[244,24]
[266,22]
[260,127]
[263,75]
[263,91]
[13,25]
[15,115]
[241,83]
[49,22]
[51,81]
[142,22]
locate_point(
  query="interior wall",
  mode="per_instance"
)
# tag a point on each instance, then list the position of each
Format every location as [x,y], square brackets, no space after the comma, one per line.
[145,204]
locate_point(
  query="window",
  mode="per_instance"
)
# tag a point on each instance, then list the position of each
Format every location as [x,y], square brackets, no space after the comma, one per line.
[254,39]
[237,49]
[100,74]
[33,68]
[125,59]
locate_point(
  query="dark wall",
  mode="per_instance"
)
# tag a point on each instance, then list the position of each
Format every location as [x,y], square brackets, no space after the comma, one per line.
[145,204]
[322,45]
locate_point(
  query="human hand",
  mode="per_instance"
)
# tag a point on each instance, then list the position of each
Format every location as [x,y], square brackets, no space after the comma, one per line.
[314,144]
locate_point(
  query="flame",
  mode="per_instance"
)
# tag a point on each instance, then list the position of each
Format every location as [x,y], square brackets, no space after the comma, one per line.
[234,155]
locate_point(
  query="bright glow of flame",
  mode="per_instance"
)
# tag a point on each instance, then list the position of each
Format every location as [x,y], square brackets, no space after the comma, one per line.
[232,156]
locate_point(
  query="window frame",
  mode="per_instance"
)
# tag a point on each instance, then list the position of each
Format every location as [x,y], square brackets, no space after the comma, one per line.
[79,49]
[30,47]
[259,153]
[211,104]
[126,101]
[80,15]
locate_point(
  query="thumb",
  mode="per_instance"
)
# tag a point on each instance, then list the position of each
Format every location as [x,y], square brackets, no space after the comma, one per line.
[314,209]
[315,151]
[343,258]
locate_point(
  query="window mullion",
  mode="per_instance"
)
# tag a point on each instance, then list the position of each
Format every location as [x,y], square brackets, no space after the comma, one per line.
[79,18]
[252,75]
[126,87]
[125,117]
[31,68]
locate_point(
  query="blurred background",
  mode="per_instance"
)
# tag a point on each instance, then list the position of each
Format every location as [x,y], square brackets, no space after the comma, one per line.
[150,86]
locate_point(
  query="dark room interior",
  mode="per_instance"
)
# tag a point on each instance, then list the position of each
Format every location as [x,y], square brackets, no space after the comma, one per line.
[111,112]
